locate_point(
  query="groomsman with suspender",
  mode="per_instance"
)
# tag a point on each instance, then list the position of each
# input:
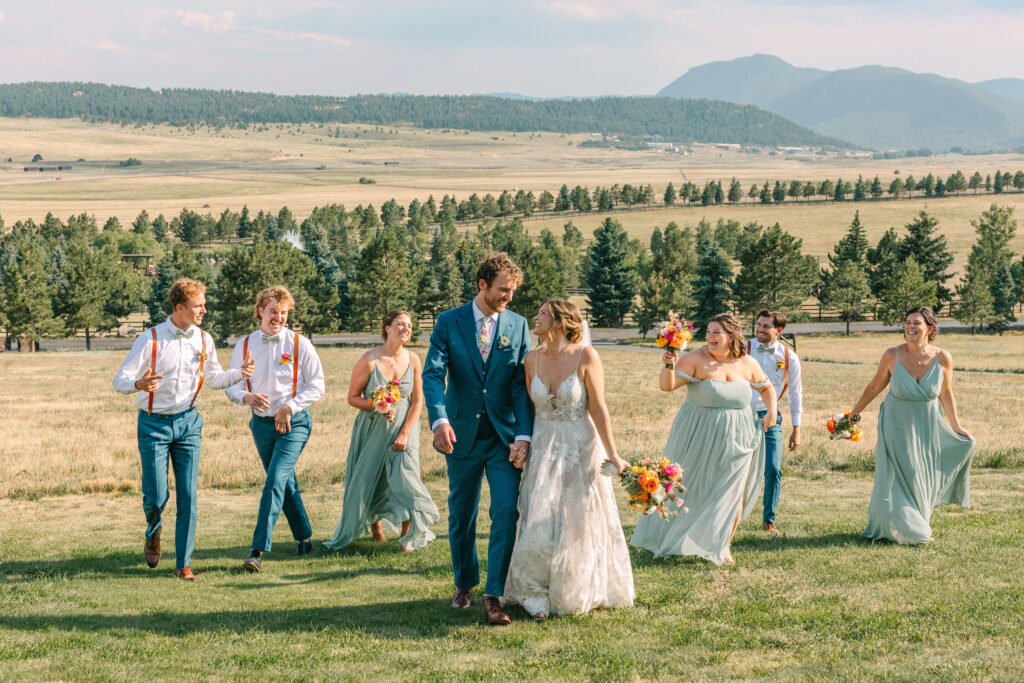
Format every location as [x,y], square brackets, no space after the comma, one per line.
[782,367]
[288,379]
[176,358]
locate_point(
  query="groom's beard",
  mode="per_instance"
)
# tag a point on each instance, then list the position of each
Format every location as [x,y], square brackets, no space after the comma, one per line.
[496,304]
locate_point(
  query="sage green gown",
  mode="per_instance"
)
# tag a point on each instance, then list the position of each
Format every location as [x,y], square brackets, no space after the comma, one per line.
[714,438]
[382,484]
[920,462]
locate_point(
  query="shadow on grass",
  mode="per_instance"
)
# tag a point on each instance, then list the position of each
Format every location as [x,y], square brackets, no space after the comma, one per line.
[774,544]
[429,618]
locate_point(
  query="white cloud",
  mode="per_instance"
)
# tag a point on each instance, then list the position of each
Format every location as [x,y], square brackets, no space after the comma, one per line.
[210,23]
[301,35]
[106,45]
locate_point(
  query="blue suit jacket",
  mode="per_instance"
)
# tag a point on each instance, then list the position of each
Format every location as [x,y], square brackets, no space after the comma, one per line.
[455,384]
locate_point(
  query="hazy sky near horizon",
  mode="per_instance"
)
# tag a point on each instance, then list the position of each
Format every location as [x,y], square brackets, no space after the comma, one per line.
[534,47]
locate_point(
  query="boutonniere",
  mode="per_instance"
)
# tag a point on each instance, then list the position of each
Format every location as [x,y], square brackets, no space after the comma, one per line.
[201,355]
[780,364]
[286,358]
[504,342]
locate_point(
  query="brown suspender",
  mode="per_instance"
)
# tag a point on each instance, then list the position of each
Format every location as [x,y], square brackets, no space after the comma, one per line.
[152,367]
[785,367]
[295,365]
[202,364]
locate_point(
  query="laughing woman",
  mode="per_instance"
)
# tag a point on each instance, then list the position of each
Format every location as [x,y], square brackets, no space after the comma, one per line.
[921,460]
[382,476]
[715,438]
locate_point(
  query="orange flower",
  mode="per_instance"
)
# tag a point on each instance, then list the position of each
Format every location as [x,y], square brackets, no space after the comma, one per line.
[649,481]
[830,426]
[856,435]
[642,497]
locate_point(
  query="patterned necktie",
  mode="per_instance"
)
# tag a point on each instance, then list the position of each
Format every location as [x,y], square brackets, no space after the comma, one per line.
[483,339]
[187,334]
[267,339]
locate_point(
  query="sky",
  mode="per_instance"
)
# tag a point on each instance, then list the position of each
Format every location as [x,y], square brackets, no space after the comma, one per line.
[543,48]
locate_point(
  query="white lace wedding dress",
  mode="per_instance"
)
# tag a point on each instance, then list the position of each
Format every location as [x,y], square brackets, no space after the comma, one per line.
[570,554]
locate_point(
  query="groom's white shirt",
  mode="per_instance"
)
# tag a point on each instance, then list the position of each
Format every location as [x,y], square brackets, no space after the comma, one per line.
[769,362]
[478,319]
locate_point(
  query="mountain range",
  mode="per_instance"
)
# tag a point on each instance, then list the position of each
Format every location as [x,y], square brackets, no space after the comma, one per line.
[873,106]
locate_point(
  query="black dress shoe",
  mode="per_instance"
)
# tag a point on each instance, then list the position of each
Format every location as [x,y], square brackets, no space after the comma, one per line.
[254,562]
[304,548]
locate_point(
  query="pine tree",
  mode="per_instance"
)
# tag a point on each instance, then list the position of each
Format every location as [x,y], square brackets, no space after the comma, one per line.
[883,260]
[25,291]
[931,253]
[563,202]
[975,305]
[670,195]
[140,226]
[773,274]
[735,191]
[906,289]
[853,246]
[712,285]
[610,275]
[382,281]
[845,289]
[244,223]
[1004,297]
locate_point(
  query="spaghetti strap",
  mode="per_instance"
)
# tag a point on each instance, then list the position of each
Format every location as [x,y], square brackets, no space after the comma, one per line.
[578,357]
[758,385]
[686,377]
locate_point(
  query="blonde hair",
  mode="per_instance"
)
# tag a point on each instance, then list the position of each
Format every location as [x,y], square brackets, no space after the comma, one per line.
[731,326]
[278,293]
[184,289]
[568,317]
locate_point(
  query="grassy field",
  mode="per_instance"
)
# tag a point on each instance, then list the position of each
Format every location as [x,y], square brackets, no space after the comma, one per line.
[77,603]
[208,170]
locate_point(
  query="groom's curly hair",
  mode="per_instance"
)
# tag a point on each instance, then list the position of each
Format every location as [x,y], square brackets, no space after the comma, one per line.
[498,263]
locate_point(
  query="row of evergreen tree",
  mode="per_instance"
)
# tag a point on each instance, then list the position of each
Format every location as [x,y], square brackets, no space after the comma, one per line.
[671,118]
[63,277]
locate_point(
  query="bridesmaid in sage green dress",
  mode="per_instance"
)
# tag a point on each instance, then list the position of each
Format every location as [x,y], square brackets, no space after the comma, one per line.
[714,438]
[921,460]
[383,488]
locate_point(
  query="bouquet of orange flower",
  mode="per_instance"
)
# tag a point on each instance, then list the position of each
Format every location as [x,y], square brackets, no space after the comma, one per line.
[674,334]
[385,396]
[844,427]
[651,485]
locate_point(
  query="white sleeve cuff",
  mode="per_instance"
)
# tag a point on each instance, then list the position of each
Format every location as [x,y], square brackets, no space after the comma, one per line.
[439,421]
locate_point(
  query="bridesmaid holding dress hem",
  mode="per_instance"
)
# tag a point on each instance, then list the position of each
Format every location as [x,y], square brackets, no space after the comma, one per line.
[921,459]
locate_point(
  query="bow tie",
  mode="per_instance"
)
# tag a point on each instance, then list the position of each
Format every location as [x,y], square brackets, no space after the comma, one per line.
[267,339]
[187,334]
[764,349]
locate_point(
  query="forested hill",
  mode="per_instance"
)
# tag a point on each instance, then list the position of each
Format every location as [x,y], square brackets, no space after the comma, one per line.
[680,120]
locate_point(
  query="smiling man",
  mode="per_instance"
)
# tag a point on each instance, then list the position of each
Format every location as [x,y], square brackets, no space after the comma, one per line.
[781,365]
[166,367]
[288,379]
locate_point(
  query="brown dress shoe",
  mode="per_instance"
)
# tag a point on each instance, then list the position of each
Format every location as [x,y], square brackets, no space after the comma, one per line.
[185,574]
[463,599]
[492,609]
[769,527]
[152,549]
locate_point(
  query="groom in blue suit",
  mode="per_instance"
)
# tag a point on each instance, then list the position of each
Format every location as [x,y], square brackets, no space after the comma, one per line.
[482,418]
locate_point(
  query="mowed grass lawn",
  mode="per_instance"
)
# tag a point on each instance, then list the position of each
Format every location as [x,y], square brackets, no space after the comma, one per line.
[78,603]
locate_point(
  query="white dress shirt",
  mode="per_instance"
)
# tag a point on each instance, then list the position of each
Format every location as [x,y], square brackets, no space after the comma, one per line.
[177,360]
[274,378]
[771,362]
[478,319]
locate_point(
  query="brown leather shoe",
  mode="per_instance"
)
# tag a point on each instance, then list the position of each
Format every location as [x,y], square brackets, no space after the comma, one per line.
[185,574]
[492,610]
[463,599]
[152,549]
[769,527]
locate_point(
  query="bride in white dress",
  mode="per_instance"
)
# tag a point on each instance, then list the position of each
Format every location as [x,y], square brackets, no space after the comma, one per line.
[570,554]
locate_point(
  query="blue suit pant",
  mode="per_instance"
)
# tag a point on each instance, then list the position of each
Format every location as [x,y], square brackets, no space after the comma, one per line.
[279,453]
